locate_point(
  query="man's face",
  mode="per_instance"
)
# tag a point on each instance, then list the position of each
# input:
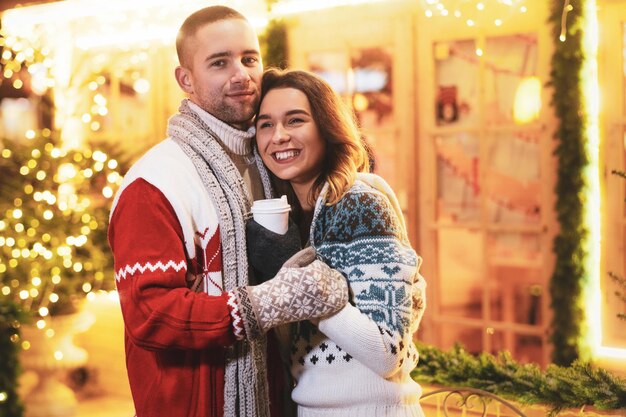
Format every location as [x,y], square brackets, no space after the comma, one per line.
[225,70]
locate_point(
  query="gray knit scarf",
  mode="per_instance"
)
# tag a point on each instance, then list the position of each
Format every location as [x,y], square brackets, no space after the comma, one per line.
[245,391]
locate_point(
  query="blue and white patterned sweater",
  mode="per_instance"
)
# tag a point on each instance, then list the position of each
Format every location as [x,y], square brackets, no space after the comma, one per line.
[358,361]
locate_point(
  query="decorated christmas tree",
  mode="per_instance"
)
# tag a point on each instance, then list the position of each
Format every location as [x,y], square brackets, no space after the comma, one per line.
[54,204]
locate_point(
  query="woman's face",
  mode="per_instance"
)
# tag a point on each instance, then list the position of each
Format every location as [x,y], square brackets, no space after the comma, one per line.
[288,138]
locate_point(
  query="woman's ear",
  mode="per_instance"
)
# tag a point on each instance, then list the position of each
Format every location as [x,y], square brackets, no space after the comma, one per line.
[183,77]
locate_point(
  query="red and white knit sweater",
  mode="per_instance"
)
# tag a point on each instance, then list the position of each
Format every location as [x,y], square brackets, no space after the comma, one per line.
[164,233]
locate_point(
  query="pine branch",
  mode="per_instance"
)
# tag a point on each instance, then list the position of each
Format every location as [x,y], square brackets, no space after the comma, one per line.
[557,388]
[619,173]
[622,283]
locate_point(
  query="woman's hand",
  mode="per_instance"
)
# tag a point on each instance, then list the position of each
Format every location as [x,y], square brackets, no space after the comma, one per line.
[268,251]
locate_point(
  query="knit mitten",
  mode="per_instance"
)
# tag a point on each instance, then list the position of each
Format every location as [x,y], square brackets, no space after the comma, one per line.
[304,288]
[418,295]
[268,251]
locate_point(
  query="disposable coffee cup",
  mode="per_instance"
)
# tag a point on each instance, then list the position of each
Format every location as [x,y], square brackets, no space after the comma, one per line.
[272,213]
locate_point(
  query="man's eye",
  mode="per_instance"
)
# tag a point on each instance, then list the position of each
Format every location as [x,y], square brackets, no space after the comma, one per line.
[218,63]
[250,60]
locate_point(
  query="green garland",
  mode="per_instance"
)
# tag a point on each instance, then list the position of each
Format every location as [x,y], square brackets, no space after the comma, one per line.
[10,318]
[569,275]
[557,388]
[274,45]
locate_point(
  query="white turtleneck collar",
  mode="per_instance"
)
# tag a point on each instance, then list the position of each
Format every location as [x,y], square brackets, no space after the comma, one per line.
[236,141]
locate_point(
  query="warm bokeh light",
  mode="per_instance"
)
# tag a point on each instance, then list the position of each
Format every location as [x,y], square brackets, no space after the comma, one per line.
[474,12]
[299,6]
[527,104]
[46,235]
[593,211]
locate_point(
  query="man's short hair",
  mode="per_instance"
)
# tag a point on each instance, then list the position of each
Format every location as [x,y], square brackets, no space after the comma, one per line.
[198,19]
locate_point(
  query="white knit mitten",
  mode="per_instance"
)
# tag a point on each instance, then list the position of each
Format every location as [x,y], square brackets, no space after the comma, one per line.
[304,288]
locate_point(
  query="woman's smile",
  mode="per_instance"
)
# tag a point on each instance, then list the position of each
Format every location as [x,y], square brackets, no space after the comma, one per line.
[286,156]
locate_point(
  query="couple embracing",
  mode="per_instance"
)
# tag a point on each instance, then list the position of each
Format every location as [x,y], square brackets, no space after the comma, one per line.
[224,317]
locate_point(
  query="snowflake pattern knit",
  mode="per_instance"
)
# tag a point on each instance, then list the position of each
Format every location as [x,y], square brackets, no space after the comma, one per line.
[358,361]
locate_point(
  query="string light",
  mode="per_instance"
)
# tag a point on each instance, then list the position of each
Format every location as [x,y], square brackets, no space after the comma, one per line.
[51,223]
[474,12]
[566,9]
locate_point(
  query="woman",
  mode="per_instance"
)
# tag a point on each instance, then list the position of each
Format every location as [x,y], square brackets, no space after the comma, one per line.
[357,361]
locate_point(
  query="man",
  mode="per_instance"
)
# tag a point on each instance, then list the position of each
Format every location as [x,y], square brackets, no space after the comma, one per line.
[194,327]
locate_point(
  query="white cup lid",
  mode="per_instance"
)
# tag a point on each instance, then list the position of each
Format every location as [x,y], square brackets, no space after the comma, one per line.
[271,205]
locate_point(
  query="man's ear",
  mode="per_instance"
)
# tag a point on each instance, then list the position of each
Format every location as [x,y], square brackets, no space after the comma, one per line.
[184,79]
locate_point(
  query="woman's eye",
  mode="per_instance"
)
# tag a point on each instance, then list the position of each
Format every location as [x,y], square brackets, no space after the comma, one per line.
[295,120]
[264,124]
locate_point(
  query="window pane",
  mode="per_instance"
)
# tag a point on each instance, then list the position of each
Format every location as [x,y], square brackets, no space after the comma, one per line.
[512,91]
[371,85]
[517,296]
[372,99]
[458,190]
[529,349]
[513,181]
[515,249]
[456,67]
[524,348]
[460,273]
[332,67]
[517,286]
[469,338]
[120,101]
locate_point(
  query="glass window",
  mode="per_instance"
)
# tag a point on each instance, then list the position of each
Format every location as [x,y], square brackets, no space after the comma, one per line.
[469,337]
[363,77]
[491,271]
[512,89]
[512,178]
[456,97]
[461,279]
[458,188]
[517,285]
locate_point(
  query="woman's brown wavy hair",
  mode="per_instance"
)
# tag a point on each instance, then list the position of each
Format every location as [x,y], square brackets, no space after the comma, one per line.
[345,151]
